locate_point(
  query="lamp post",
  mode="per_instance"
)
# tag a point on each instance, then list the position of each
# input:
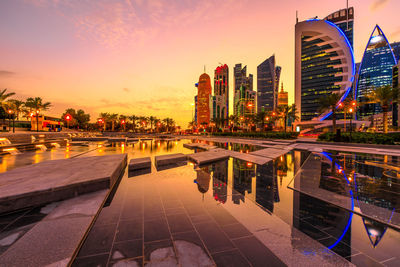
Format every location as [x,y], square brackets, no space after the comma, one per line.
[10,113]
[123,124]
[37,120]
[351,121]
[68,118]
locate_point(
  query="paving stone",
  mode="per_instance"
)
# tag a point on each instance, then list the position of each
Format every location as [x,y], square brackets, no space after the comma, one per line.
[56,180]
[202,158]
[139,164]
[169,159]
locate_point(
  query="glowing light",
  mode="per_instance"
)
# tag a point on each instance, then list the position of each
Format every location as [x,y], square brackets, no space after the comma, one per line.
[350,110]
[249,164]
[68,117]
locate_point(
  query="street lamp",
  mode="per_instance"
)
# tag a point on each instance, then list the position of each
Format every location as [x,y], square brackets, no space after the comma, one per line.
[68,118]
[10,111]
[351,121]
[37,120]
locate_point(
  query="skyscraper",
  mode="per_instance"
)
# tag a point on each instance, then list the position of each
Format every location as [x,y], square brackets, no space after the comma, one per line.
[375,71]
[345,21]
[240,78]
[221,92]
[267,84]
[396,84]
[396,50]
[324,64]
[203,100]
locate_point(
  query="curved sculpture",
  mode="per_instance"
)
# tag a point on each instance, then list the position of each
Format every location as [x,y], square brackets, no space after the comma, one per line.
[324,64]
[375,70]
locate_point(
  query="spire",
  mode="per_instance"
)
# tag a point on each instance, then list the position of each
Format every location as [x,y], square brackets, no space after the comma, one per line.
[282,87]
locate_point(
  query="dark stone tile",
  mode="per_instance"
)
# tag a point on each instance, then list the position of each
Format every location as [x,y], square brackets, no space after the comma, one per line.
[213,237]
[156,230]
[99,240]
[392,263]
[6,218]
[179,223]
[231,258]
[138,172]
[97,260]
[236,230]
[256,253]
[177,210]
[127,249]
[128,262]
[132,209]
[311,231]
[222,217]
[363,260]
[191,237]
[203,218]
[108,216]
[149,247]
[25,221]
[128,230]
[172,204]
[341,248]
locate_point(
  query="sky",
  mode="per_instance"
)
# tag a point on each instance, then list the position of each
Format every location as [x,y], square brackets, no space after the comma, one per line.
[143,57]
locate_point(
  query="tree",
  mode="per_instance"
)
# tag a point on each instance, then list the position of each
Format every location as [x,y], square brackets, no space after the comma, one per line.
[234,120]
[105,116]
[37,105]
[113,118]
[3,97]
[18,107]
[122,120]
[152,120]
[82,118]
[260,119]
[287,113]
[133,119]
[329,102]
[384,95]
[169,122]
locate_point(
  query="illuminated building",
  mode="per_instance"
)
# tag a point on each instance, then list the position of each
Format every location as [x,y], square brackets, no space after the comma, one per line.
[203,100]
[195,108]
[395,84]
[245,101]
[375,71]
[240,78]
[396,50]
[324,62]
[283,98]
[345,21]
[267,84]
[221,92]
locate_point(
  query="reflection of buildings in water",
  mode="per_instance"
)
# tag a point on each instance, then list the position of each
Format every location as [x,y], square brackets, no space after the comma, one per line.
[243,172]
[311,214]
[267,188]
[203,179]
[374,230]
[220,179]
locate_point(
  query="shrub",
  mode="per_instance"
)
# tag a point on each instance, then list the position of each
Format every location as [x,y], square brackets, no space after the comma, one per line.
[269,135]
[364,138]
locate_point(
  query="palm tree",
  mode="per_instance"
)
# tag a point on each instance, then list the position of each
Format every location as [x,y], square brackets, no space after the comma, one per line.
[152,121]
[168,122]
[384,95]
[260,119]
[14,107]
[287,113]
[113,118]
[329,102]
[133,119]
[106,117]
[3,98]
[234,120]
[38,105]
[157,123]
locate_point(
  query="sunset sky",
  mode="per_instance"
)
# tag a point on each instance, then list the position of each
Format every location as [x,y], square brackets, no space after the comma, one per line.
[144,57]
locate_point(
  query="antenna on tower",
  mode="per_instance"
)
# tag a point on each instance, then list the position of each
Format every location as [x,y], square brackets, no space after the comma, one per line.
[297,16]
[204,68]
[347,14]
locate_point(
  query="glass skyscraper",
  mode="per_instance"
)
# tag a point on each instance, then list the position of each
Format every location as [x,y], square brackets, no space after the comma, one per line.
[267,85]
[324,61]
[375,71]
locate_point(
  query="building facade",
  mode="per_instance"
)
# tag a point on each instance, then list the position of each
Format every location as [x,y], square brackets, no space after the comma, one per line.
[283,98]
[395,84]
[375,70]
[221,93]
[241,79]
[203,100]
[324,64]
[268,76]
[246,102]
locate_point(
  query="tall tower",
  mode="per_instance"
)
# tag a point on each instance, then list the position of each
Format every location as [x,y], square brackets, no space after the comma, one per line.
[221,92]
[324,64]
[241,79]
[203,100]
[267,85]
[375,71]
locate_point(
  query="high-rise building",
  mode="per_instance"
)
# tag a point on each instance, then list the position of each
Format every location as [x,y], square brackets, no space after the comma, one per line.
[195,108]
[246,102]
[396,84]
[375,71]
[240,78]
[221,92]
[396,50]
[267,84]
[283,98]
[344,19]
[324,64]
[203,100]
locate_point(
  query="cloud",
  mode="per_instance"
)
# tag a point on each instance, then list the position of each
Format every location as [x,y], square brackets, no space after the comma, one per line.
[378,4]
[6,73]
[123,22]
[126,90]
